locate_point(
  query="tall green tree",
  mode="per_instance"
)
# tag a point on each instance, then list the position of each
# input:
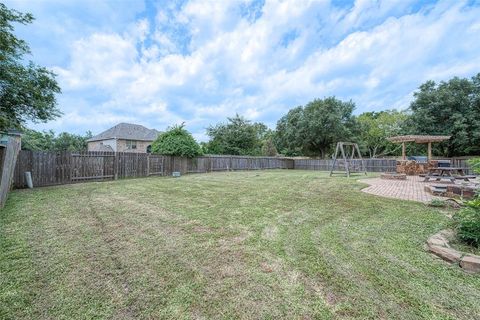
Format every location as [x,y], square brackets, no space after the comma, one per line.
[375,127]
[48,141]
[72,142]
[27,91]
[238,136]
[449,108]
[38,140]
[176,141]
[315,128]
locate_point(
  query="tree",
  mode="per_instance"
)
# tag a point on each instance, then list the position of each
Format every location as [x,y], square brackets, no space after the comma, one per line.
[238,136]
[48,141]
[315,128]
[72,142]
[289,133]
[268,148]
[374,129]
[38,140]
[176,141]
[449,108]
[27,91]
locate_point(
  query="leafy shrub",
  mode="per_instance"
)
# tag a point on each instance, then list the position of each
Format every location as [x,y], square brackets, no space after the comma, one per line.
[475,164]
[176,141]
[468,225]
[467,220]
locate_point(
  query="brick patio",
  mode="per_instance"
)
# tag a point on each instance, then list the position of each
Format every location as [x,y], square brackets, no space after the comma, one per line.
[410,189]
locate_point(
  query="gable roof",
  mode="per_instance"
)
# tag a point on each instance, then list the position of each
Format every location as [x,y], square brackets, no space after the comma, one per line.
[128,131]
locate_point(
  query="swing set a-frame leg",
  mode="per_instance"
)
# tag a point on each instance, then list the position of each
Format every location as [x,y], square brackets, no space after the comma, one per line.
[361,159]
[334,160]
[347,163]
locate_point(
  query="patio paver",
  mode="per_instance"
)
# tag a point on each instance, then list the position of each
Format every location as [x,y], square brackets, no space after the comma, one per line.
[410,189]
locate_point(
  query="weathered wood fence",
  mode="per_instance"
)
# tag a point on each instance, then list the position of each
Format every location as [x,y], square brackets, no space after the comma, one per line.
[55,168]
[63,167]
[371,165]
[462,162]
[8,157]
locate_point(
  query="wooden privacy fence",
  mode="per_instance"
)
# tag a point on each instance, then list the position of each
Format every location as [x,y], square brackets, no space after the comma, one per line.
[371,165]
[63,167]
[54,168]
[462,162]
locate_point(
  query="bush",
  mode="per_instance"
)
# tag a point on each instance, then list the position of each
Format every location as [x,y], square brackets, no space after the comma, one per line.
[475,164]
[467,221]
[176,141]
[468,225]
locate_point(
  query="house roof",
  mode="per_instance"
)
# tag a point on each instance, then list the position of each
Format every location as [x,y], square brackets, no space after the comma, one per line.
[418,138]
[128,131]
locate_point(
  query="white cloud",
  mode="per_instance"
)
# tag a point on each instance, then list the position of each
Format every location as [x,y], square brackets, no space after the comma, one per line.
[204,61]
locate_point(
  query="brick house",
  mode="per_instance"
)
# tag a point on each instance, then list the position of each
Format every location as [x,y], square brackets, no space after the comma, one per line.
[124,137]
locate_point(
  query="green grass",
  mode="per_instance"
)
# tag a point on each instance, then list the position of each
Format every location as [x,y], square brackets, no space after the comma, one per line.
[268,244]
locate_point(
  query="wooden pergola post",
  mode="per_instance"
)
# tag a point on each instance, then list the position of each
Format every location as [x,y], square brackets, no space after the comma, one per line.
[404,155]
[429,151]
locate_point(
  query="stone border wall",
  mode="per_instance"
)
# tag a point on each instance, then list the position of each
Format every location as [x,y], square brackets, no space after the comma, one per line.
[438,244]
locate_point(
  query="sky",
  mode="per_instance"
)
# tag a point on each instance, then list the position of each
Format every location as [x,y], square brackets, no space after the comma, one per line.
[159,63]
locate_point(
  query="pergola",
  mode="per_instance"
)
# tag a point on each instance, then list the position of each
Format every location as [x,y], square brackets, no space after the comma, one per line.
[417,139]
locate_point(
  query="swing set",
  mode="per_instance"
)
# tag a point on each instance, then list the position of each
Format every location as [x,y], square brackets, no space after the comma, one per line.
[351,160]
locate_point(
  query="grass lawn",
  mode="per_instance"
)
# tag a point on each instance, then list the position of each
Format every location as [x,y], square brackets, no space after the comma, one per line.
[267,244]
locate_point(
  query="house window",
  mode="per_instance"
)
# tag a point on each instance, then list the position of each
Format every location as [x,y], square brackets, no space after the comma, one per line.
[131,144]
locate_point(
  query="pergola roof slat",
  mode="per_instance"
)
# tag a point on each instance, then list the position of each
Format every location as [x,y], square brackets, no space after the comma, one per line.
[417,138]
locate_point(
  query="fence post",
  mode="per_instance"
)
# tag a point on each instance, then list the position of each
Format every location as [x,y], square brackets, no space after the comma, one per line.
[148,164]
[115,165]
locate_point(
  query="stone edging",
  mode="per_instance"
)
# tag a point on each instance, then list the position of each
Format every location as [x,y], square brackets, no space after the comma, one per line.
[438,245]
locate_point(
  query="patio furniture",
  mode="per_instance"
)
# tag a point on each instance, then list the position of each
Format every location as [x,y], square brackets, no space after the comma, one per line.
[443,163]
[449,173]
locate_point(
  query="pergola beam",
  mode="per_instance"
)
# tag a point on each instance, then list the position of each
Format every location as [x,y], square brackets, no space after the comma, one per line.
[417,139]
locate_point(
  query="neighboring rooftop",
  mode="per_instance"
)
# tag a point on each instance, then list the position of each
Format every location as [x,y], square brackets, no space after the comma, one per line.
[127,131]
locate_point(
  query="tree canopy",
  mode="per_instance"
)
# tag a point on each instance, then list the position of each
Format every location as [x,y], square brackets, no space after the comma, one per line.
[375,127]
[238,136]
[176,141]
[27,91]
[313,129]
[449,108]
[48,141]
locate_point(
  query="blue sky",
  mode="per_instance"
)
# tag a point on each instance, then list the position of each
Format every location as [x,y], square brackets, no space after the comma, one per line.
[158,63]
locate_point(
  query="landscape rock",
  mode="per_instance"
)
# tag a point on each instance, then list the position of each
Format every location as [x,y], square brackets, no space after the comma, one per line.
[447,254]
[448,234]
[438,241]
[470,263]
[441,238]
